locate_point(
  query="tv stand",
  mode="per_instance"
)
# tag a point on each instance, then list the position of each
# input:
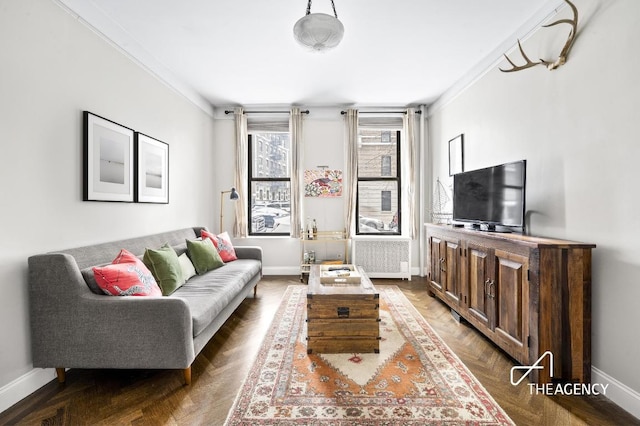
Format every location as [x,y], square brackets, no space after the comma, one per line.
[527,294]
[489,227]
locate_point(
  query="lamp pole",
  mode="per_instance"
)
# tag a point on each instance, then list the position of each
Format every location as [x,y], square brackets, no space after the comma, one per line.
[233,196]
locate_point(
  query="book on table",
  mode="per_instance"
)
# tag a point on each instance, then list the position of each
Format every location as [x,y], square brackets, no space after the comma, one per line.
[339,274]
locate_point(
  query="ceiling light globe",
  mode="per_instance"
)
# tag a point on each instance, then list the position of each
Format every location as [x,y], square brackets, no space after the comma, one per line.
[318,31]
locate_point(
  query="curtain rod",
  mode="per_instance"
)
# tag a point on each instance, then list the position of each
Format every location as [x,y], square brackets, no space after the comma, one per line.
[266,112]
[382,112]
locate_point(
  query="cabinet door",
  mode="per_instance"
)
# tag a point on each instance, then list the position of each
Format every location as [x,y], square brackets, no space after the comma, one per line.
[510,289]
[452,285]
[479,304]
[436,260]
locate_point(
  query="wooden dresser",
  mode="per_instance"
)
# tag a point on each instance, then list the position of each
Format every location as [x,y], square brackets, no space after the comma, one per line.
[527,294]
[342,318]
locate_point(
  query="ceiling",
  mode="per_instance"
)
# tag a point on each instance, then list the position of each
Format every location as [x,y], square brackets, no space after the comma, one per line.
[394,53]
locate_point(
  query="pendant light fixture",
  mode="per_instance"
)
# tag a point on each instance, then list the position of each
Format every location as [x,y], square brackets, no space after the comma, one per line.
[318,32]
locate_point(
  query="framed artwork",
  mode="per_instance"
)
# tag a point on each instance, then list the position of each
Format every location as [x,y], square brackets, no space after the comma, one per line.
[456,155]
[108,162]
[324,183]
[152,170]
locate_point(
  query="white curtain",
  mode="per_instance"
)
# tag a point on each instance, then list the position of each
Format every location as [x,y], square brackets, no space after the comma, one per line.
[351,181]
[240,225]
[411,140]
[295,130]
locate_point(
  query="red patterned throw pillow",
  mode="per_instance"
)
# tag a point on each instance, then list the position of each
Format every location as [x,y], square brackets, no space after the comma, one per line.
[126,276]
[223,244]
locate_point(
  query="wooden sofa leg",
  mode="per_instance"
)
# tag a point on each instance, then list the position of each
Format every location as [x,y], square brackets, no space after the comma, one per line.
[255,290]
[61,375]
[187,375]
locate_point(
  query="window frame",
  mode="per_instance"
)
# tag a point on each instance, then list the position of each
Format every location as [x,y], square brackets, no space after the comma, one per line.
[252,179]
[396,178]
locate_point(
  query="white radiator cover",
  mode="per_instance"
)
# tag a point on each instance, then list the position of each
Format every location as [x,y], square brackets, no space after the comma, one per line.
[383,258]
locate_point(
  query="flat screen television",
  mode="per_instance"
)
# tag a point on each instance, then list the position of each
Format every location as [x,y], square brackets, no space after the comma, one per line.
[491,198]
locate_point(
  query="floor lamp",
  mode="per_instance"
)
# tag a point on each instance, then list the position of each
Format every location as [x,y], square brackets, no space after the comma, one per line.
[233,196]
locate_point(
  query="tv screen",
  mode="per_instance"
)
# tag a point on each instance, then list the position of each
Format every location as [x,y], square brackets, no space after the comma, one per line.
[493,195]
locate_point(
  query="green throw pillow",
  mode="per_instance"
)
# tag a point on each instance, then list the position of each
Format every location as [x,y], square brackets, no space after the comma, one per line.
[203,255]
[188,270]
[165,267]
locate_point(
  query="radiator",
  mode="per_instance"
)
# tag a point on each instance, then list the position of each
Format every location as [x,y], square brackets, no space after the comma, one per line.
[383,258]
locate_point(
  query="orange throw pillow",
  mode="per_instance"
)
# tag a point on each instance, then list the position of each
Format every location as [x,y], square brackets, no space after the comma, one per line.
[126,276]
[223,244]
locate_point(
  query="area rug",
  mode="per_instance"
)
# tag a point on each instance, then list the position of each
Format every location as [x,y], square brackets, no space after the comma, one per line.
[414,380]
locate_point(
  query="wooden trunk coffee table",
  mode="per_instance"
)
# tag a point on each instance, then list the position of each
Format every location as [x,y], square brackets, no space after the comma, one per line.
[342,318]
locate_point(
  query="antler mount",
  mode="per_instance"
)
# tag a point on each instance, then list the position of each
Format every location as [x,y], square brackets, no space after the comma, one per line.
[563,54]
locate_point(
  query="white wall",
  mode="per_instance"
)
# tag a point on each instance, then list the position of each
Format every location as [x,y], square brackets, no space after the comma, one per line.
[53,68]
[577,128]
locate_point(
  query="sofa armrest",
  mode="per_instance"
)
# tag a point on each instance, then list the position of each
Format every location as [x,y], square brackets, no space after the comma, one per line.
[249,252]
[134,332]
[73,327]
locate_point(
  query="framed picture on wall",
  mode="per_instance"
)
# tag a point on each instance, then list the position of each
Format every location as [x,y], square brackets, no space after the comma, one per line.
[108,161]
[152,170]
[456,155]
[324,183]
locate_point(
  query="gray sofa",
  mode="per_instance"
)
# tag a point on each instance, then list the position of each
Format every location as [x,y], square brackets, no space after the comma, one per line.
[73,327]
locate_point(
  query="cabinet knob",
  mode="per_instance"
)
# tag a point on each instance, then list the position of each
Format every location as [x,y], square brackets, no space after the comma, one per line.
[492,289]
[488,286]
[442,263]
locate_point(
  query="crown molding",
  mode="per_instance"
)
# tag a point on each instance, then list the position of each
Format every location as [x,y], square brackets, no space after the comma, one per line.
[493,59]
[101,24]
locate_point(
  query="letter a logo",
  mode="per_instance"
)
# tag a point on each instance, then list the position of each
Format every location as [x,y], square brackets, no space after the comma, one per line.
[529,368]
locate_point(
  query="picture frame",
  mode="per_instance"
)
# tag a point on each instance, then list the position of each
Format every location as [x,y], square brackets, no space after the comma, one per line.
[152,170]
[323,183]
[456,155]
[108,160]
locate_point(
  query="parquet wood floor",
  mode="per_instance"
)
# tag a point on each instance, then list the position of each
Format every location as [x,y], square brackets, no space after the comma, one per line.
[156,397]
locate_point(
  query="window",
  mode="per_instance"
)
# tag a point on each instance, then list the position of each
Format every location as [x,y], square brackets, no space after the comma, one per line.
[386,165]
[269,183]
[385,201]
[378,198]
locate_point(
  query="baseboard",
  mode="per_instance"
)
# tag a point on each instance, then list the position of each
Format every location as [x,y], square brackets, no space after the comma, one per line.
[619,393]
[295,270]
[281,270]
[24,386]
[390,275]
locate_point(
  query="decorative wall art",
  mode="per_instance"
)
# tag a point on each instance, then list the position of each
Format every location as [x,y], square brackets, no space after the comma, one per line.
[152,171]
[108,164]
[324,183]
[456,155]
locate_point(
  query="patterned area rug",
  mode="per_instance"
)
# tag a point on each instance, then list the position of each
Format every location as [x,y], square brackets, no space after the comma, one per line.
[414,380]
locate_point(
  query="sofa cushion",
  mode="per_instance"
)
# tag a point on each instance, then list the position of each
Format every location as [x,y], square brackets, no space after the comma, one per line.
[126,276]
[165,267]
[203,255]
[207,295]
[90,279]
[223,245]
[180,248]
